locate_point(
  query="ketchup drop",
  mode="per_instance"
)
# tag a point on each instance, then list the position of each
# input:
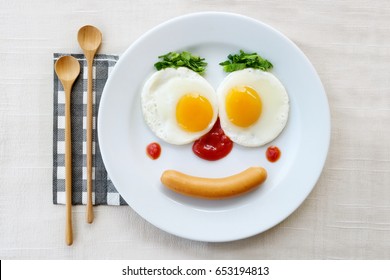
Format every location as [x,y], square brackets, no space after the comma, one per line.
[214,145]
[273,153]
[153,150]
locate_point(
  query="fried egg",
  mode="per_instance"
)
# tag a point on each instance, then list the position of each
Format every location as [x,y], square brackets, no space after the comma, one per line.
[253,107]
[179,105]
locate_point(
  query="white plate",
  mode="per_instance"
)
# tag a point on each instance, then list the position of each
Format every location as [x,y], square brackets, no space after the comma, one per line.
[123,135]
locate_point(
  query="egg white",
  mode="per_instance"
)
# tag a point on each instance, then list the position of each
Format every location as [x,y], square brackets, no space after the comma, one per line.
[159,98]
[275,107]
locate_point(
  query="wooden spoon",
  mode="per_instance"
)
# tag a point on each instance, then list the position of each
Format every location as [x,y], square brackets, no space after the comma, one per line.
[89,38]
[68,69]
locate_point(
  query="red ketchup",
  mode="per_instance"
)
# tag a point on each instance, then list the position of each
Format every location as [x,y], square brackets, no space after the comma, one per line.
[214,145]
[153,150]
[273,153]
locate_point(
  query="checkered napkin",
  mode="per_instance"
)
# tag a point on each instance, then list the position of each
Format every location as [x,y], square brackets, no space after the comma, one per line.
[104,192]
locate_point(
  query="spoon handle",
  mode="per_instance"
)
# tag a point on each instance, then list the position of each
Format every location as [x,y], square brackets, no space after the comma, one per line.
[68,169]
[90,215]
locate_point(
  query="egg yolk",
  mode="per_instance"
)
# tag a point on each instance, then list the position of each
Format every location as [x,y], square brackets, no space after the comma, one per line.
[194,112]
[243,106]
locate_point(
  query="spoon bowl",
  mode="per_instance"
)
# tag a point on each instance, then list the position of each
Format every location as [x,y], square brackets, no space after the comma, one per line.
[89,38]
[67,69]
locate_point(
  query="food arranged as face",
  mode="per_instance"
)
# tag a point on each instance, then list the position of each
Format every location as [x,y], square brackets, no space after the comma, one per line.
[249,108]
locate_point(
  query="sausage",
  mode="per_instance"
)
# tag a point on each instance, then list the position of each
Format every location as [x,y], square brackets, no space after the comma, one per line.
[214,188]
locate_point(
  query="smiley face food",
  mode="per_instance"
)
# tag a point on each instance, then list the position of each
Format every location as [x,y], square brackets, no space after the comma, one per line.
[253,107]
[250,107]
[214,188]
[179,105]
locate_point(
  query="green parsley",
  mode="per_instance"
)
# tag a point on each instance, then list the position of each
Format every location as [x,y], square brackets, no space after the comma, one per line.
[245,60]
[183,59]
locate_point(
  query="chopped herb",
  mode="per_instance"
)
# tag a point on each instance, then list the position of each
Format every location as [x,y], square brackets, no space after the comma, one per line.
[245,60]
[183,59]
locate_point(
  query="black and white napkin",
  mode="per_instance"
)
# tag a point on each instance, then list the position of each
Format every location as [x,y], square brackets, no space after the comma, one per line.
[104,192]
